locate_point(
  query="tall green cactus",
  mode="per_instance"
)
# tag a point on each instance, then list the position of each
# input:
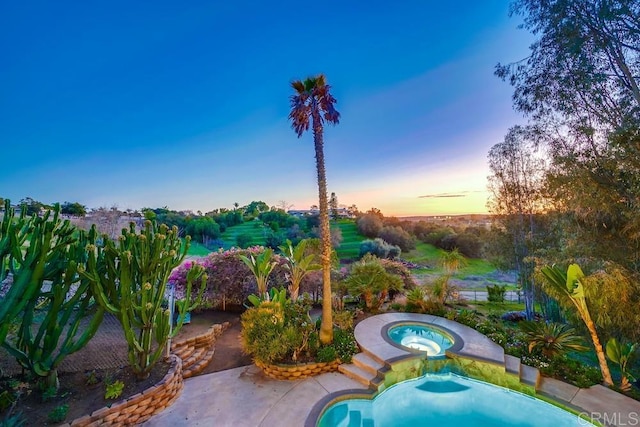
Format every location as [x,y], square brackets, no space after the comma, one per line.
[46,295]
[129,279]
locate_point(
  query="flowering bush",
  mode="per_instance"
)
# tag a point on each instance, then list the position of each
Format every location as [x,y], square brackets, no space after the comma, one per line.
[229,281]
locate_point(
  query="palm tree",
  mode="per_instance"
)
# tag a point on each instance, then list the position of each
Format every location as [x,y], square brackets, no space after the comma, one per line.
[312,104]
[571,286]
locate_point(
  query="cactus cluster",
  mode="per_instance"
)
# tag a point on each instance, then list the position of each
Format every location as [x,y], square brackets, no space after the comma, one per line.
[46,295]
[129,278]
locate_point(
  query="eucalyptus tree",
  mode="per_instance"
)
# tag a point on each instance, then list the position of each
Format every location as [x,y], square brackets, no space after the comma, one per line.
[580,86]
[313,105]
[516,181]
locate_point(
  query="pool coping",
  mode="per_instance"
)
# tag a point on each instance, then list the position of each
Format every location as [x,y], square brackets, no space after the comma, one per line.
[595,402]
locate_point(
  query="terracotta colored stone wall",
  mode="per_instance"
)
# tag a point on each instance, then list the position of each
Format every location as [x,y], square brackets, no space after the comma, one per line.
[140,407]
[188,358]
[296,372]
[197,352]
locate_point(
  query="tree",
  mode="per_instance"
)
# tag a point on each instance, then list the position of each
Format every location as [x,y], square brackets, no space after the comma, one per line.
[313,105]
[32,206]
[515,185]
[369,225]
[580,85]
[333,204]
[571,285]
[75,209]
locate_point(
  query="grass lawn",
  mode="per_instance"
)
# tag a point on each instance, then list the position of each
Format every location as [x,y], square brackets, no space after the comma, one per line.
[428,255]
[197,249]
[487,307]
[351,239]
[255,229]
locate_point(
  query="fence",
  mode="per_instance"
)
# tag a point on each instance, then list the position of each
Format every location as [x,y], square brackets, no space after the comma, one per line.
[510,296]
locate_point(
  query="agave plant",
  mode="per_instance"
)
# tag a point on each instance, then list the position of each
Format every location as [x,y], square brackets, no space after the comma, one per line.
[552,339]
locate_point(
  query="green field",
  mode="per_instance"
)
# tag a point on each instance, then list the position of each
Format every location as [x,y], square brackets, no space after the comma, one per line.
[351,239]
[256,229]
[197,249]
[428,258]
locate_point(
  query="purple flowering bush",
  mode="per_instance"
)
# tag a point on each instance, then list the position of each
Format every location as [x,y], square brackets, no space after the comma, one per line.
[229,281]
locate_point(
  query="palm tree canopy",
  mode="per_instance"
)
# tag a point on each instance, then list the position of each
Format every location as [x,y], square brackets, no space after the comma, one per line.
[312,99]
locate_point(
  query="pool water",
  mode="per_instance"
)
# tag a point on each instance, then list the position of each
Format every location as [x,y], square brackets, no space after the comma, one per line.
[447,400]
[422,338]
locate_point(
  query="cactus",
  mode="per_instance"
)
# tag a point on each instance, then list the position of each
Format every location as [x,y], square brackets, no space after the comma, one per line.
[46,284]
[129,278]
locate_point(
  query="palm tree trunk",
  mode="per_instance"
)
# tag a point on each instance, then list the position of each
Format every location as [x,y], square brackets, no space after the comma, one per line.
[604,367]
[326,326]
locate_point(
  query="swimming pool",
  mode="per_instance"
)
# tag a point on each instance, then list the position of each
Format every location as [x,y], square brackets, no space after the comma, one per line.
[421,337]
[447,400]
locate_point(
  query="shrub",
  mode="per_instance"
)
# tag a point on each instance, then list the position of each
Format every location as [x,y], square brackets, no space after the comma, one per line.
[399,269]
[369,225]
[572,371]
[345,344]
[326,354]
[495,293]
[379,248]
[243,240]
[58,414]
[229,280]
[279,332]
[398,237]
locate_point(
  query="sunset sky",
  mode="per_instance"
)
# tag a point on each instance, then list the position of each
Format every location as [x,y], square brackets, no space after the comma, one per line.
[185,104]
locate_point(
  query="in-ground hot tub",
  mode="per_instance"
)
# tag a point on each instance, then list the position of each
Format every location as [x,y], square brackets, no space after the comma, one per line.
[421,337]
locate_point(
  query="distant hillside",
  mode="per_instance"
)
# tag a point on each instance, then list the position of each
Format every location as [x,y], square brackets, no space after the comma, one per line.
[351,239]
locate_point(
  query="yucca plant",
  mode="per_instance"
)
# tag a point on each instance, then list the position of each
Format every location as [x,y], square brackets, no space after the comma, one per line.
[552,339]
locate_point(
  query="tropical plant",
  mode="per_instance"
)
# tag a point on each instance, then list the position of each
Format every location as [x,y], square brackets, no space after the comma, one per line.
[570,284]
[551,339]
[261,266]
[622,354]
[278,332]
[129,280]
[313,104]
[451,262]
[298,265]
[369,280]
[45,286]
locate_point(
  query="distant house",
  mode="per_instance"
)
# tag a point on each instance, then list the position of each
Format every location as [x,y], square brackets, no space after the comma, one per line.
[302,213]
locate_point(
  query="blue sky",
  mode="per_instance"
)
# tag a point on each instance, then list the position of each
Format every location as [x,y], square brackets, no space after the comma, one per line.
[185,104]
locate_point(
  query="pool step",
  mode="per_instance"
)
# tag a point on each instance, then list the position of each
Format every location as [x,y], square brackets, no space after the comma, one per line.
[529,375]
[366,362]
[512,365]
[359,374]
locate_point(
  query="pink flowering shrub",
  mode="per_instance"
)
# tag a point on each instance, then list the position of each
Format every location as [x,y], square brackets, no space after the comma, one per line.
[229,281]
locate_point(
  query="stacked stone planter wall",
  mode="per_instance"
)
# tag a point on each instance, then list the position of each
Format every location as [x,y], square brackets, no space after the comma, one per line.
[140,407]
[296,372]
[188,358]
[197,352]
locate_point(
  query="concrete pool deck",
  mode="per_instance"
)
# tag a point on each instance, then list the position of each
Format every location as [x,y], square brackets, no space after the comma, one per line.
[245,397]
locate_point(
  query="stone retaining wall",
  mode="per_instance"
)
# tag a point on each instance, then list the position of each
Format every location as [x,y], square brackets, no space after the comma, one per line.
[140,407]
[197,352]
[188,358]
[297,372]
